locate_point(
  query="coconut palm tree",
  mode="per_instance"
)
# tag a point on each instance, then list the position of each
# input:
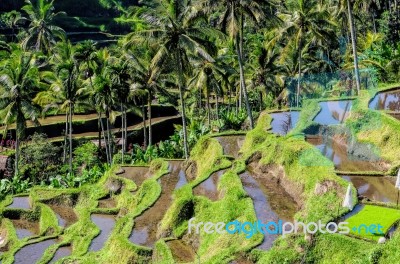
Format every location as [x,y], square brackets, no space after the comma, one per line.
[19,82]
[42,33]
[344,12]
[12,21]
[65,91]
[211,77]
[103,95]
[178,30]
[146,83]
[232,21]
[306,23]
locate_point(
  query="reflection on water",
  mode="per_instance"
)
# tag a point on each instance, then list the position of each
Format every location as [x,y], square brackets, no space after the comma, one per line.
[33,252]
[61,253]
[145,229]
[24,228]
[374,188]
[209,187]
[65,215]
[136,174]
[231,144]
[105,223]
[20,203]
[336,149]
[271,202]
[386,101]
[283,122]
[334,112]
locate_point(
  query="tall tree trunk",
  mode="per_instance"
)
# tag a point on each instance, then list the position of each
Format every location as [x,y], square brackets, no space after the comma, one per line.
[208,107]
[123,133]
[17,138]
[144,127]
[183,112]
[217,106]
[373,21]
[65,138]
[125,129]
[70,138]
[299,79]
[246,99]
[109,137]
[149,115]
[99,128]
[201,98]
[104,138]
[354,44]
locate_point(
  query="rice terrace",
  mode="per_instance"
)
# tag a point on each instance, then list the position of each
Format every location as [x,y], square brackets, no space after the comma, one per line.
[202,131]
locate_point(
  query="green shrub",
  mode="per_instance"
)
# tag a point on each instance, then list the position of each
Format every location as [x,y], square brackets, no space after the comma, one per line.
[39,160]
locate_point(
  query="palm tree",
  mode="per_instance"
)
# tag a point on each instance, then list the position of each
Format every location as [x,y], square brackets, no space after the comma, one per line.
[119,74]
[103,96]
[42,34]
[211,77]
[19,82]
[343,10]
[266,74]
[354,44]
[232,22]
[12,20]
[369,7]
[146,83]
[305,23]
[65,91]
[178,30]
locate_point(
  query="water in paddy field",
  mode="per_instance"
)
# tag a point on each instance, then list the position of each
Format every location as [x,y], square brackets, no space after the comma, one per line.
[61,253]
[145,226]
[65,215]
[136,174]
[337,150]
[105,223]
[283,122]
[378,189]
[389,100]
[358,208]
[270,200]
[24,228]
[20,203]
[231,144]
[209,187]
[334,112]
[181,252]
[107,203]
[32,253]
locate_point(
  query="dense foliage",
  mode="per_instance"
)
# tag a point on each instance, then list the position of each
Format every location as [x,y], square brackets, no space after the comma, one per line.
[220,62]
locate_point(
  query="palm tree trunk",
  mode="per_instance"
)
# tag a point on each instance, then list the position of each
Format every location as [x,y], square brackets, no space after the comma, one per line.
[99,128]
[149,116]
[354,44]
[208,108]
[65,137]
[16,171]
[183,112]
[109,138]
[243,85]
[104,138]
[126,130]
[123,133]
[299,79]
[70,138]
[217,106]
[144,127]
